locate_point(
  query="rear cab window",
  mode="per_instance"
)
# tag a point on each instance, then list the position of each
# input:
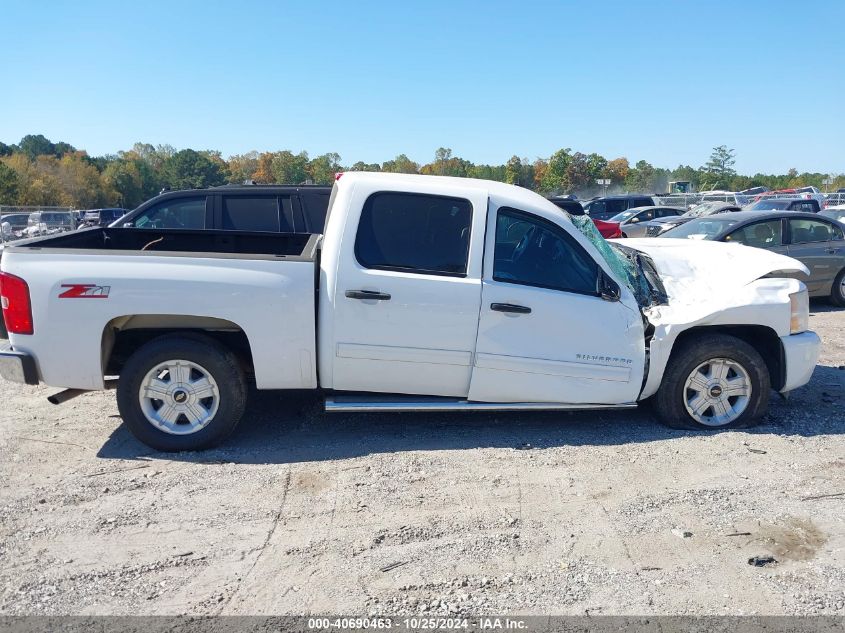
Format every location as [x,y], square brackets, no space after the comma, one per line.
[416,233]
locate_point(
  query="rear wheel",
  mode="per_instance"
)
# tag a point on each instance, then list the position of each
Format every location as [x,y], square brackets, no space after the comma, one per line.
[180,393]
[714,381]
[837,292]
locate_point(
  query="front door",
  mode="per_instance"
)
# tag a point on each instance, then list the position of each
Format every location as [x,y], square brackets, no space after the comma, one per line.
[408,293]
[545,334]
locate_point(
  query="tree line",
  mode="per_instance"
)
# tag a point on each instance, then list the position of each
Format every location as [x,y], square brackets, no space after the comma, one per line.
[37,171]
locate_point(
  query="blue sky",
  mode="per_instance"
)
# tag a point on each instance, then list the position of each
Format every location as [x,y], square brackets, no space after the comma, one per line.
[660,81]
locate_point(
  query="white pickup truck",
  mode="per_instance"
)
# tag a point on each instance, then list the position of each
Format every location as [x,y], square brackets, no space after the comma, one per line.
[424,293]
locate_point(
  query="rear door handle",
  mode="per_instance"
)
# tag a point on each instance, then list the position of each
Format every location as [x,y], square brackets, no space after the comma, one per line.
[368,294]
[510,307]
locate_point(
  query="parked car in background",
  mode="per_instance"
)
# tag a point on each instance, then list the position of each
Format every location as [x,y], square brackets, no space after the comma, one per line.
[657,226]
[754,191]
[729,197]
[608,230]
[834,213]
[629,221]
[814,240]
[568,204]
[608,206]
[573,207]
[266,208]
[13,225]
[806,205]
[101,217]
[49,222]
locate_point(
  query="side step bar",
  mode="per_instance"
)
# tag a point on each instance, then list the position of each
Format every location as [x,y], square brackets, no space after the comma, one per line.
[415,403]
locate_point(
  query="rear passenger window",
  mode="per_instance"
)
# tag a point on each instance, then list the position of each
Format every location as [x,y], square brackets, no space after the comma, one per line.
[257,213]
[415,233]
[805,231]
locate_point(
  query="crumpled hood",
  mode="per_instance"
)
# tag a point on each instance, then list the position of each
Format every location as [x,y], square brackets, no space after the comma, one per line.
[706,273]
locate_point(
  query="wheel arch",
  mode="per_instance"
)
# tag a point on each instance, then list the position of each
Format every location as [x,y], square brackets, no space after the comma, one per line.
[123,335]
[761,337]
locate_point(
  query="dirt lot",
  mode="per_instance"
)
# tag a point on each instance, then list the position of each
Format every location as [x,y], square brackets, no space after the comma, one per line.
[302,512]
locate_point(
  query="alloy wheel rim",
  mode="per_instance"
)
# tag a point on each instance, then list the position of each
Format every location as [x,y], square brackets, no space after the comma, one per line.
[179,397]
[717,392]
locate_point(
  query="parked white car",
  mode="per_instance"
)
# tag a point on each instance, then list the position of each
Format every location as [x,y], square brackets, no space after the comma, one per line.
[425,293]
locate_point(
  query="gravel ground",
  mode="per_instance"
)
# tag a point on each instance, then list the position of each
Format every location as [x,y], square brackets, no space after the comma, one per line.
[303,512]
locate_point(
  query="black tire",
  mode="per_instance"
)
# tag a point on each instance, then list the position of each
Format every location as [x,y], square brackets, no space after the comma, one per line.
[837,292]
[220,363]
[670,399]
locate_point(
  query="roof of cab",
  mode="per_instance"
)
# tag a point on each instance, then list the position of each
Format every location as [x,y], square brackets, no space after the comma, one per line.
[512,193]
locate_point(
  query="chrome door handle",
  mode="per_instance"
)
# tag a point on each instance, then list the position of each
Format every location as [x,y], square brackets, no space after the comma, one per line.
[368,294]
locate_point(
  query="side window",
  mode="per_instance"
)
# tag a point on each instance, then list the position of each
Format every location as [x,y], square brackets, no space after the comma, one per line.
[414,233]
[617,206]
[806,207]
[535,252]
[760,235]
[805,231]
[597,208]
[645,216]
[257,213]
[177,213]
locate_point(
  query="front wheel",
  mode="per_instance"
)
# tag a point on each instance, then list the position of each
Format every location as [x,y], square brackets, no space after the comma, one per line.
[714,381]
[180,393]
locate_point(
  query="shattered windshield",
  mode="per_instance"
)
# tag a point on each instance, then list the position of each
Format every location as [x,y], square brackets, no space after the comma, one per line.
[626,263]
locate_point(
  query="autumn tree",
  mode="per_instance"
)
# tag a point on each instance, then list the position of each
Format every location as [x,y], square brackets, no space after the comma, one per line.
[322,169]
[617,171]
[362,166]
[513,170]
[578,172]
[555,178]
[291,169]
[400,165]
[189,169]
[242,167]
[8,185]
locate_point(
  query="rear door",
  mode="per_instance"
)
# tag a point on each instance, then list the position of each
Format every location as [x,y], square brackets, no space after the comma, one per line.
[408,291]
[545,334]
[819,246]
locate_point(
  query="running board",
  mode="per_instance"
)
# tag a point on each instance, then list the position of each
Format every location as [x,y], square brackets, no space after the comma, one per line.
[415,403]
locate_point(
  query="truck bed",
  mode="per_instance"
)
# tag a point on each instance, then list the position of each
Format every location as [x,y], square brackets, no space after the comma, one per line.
[89,286]
[124,241]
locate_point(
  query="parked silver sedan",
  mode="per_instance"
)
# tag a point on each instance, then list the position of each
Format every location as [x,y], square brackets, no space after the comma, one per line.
[816,241]
[630,220]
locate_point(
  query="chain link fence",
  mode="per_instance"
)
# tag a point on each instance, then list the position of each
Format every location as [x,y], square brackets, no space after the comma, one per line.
[17,222]
[687,200]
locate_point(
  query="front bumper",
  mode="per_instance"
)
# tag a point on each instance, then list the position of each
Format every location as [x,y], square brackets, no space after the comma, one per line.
[800,354]
[17,366]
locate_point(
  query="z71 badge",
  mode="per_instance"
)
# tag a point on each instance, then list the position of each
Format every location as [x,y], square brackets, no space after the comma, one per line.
[85,291]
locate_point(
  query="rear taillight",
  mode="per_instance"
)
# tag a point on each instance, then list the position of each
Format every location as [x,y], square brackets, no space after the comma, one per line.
[14,297]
